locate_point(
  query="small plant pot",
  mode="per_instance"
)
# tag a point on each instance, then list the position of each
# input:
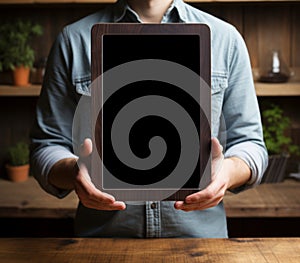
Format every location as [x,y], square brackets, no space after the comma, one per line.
[21,76]
[17,173]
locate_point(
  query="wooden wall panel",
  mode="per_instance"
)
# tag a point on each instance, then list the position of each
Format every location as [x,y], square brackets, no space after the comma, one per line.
[229,12]
[265,26]
[16,115]
[251,25]
[295,36]
[52,17]
[268,28]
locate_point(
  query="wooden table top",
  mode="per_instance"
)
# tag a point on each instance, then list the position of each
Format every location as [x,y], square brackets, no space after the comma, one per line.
[27,199]
[150,250]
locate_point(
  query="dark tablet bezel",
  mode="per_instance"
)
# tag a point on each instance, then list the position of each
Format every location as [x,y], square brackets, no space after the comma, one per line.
[101,29]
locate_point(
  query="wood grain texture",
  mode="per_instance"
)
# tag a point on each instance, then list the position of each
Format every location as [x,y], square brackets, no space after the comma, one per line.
[295,35]
[265,32]
[266,200]
[33,90]
[27,199]
[251,24]
[230,12]
[150,250]
[280,89]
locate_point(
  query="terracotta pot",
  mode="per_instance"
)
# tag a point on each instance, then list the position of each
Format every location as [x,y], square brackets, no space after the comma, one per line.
[21,76]
[17,173]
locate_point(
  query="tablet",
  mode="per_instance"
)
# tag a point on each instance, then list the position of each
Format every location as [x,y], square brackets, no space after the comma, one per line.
[151,110]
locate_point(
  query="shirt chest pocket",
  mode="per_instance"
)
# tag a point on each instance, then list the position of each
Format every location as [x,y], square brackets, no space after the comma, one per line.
[81,122]
[219,83]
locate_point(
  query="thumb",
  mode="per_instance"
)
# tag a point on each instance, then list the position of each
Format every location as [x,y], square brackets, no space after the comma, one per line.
[217,156]
[86,148]
[84,154]
[216,148]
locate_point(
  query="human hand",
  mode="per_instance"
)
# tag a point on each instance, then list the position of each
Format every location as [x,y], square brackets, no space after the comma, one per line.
[86,191]
[213,194]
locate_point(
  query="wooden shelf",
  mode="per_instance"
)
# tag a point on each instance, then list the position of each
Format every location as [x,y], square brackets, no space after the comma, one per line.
[33,90]
[279,89]
[262,89]
[112,1]
[27,199]
[266,200]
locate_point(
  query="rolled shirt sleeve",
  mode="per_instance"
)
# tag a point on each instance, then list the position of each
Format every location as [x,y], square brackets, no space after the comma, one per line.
[243,128]
[51,134]
[42,162]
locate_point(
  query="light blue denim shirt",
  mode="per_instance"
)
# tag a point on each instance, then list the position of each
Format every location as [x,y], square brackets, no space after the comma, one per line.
[235,113]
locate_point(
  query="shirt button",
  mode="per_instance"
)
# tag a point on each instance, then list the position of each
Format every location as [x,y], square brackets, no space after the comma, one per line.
[153,205]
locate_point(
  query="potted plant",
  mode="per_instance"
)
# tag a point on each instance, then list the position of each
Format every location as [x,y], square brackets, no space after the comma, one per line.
[278,143]
[18,165]
[16,52]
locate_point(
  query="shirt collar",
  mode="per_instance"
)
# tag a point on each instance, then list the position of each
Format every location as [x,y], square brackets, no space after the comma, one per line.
[122,9]
[119,10]
[180,7]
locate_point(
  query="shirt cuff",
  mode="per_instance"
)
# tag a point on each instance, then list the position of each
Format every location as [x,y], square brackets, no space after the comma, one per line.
[255,156]
[41,164]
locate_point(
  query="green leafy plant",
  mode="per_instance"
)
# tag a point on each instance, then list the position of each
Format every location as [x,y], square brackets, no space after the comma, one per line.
[15,43]
[18,154]
[275,125]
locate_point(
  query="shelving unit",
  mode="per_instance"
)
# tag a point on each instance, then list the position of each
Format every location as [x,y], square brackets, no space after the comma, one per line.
[279,89]
[33,90]
[262,89]
[257,20]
